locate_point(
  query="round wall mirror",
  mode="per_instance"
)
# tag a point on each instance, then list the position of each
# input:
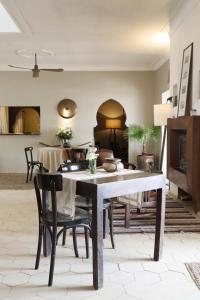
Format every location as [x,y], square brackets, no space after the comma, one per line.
[67,108]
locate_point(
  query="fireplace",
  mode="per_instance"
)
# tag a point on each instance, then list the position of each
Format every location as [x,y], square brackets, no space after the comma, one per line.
[180,141]
[183,155]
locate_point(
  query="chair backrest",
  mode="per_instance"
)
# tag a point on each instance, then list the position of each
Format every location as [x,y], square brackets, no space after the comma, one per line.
[29,154]
[78,154]
[47,182]
[104,153]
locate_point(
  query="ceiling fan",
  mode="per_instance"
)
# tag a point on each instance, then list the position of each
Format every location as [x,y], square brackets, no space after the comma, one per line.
[36,70]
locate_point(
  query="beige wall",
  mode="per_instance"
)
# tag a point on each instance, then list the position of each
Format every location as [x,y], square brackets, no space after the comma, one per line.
[161,81]
[134,90]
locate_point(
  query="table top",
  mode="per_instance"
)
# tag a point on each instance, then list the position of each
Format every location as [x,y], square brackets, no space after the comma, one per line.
[120,184]
[100,173]
[67,196]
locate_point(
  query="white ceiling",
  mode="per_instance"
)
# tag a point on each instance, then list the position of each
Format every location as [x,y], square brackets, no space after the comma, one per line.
[88,34]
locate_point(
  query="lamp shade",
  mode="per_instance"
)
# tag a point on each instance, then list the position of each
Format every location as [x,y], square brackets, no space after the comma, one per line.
[161,113]
[113,123]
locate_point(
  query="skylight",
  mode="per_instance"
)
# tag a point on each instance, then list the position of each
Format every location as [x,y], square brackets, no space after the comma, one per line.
[6,22]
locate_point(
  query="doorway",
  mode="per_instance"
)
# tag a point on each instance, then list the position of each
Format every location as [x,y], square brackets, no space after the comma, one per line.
[111,127]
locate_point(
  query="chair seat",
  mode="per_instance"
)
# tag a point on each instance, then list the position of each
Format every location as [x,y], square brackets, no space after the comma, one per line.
[86,203]
[35,162]
[81,216]
[133,200]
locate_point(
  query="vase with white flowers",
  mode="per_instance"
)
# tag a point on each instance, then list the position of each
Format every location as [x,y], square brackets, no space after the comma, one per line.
[92,159]
[65,135]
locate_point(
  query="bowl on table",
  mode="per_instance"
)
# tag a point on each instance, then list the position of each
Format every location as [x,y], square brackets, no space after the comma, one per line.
[112,164]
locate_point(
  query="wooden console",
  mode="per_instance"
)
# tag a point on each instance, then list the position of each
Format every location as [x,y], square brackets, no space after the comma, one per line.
[183,155]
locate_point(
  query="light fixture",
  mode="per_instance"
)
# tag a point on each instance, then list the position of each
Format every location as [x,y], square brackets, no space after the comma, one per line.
[161,113]
[113,123]
[6,22]
[161,38]
[67,108]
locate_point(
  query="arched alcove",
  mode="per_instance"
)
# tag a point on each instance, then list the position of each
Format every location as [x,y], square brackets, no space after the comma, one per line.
[27,121]
[111,125]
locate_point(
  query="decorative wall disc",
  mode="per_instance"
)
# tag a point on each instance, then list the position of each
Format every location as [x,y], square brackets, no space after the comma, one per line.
[67,108]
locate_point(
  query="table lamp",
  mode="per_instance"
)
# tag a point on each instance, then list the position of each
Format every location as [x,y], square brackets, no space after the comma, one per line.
[161,113]
[113,124]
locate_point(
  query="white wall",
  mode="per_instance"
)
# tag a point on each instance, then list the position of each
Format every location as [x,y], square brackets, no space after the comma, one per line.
[161,81]
[134,90]
[185,30]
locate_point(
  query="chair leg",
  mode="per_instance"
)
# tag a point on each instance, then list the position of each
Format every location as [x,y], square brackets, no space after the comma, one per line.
[127,215]
[64,236]
[53,256]
[110,217]
[104,222]
[86,242]
[27,174]
[31,172]
[75,241]
[37,262]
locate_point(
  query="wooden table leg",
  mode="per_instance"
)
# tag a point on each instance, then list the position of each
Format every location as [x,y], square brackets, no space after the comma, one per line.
[160,224]
[97,241]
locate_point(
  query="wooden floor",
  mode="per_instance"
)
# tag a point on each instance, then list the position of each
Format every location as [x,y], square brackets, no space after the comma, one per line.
[179,217]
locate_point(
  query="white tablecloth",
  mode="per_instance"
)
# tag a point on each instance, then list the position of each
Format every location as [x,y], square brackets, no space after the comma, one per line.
[66,198]
[50,157]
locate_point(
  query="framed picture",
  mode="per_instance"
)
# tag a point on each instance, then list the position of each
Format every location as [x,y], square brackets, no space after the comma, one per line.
[185,79]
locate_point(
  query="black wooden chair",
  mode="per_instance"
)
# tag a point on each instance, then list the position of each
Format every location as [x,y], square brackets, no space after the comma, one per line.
[86,203]
[104,153]
[30,162]
[52,220]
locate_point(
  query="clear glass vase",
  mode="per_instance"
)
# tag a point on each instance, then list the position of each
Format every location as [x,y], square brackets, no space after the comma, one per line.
[92,166]
[65,143]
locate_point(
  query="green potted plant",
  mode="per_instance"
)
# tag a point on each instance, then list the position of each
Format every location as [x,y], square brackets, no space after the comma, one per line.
[144,134]
[65,135]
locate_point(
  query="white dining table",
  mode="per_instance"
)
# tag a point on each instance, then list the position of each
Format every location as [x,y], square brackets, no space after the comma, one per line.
[67,197]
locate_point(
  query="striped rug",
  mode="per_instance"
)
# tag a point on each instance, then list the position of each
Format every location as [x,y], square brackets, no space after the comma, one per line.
[179,217]
[194,270]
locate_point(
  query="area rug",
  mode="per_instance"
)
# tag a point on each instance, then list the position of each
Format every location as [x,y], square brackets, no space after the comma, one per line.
[179,217]
[14,181]
[194,270]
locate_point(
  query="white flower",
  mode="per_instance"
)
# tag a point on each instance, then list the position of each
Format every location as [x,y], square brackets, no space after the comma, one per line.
[64,134]
[91,153]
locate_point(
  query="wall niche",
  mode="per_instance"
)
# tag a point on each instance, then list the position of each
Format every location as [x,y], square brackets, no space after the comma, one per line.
[110,129]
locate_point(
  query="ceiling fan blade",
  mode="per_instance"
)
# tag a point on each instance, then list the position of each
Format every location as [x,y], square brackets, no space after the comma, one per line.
[53,70]
[19,67]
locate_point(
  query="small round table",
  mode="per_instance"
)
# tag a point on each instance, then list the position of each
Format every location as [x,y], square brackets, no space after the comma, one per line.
[50,157]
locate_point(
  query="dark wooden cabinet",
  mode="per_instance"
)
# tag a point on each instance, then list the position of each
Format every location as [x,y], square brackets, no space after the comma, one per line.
[183,155]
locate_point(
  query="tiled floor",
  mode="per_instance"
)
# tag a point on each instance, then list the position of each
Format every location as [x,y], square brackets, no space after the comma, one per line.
[130,272]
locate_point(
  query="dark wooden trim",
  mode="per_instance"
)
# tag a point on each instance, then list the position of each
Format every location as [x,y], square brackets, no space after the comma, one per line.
[97,241]
[160,217]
